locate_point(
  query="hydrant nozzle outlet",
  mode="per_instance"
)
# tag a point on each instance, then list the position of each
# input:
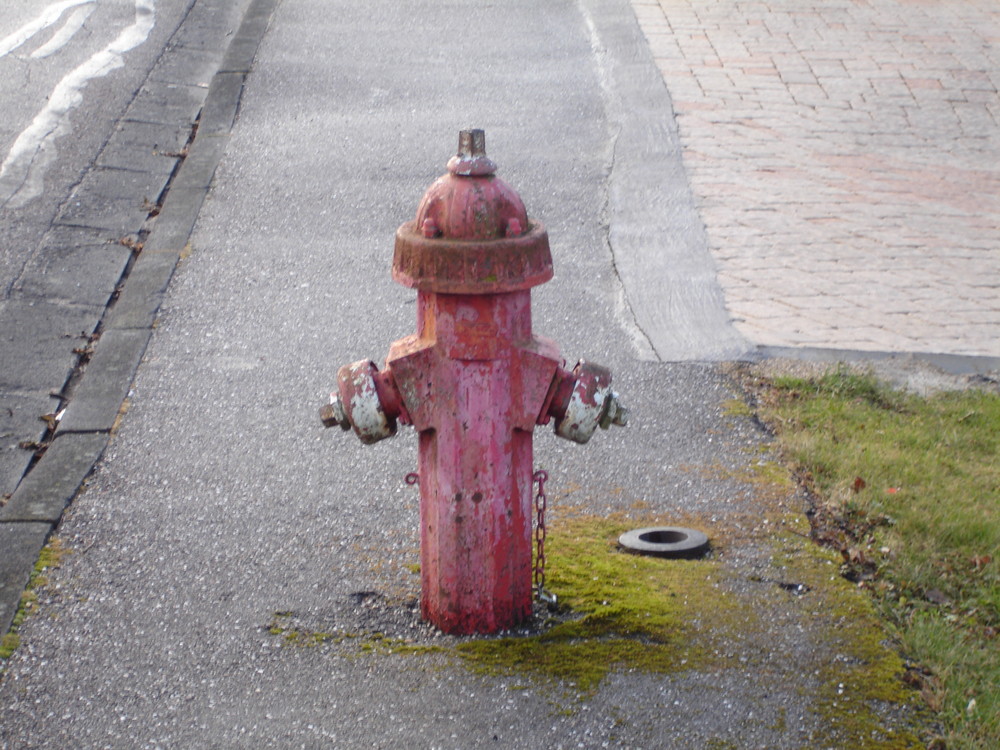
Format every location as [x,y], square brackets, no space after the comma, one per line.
[614,413]
[588,404]
[333,414]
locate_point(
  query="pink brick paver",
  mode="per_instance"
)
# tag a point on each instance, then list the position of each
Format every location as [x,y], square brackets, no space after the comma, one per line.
[845,156]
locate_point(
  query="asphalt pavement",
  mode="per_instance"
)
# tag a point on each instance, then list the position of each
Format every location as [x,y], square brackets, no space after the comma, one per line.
[220,502]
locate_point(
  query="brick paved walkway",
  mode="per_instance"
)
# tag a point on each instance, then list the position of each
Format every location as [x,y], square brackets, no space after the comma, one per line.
[846,159]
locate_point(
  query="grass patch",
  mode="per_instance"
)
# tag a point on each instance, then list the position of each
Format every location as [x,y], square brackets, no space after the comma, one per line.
[908,493]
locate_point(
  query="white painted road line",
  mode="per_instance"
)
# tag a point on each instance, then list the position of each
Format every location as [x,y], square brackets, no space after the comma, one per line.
[68,30]
[23,170]
[46,18]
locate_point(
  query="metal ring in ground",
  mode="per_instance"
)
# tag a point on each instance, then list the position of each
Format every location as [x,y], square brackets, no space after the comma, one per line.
[664,541]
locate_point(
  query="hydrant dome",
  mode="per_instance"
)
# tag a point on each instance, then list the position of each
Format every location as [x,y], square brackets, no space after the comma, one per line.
[469,202]
[471,208]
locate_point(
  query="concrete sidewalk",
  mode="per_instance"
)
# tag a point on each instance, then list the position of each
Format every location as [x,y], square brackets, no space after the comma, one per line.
[846,161]
[222,518]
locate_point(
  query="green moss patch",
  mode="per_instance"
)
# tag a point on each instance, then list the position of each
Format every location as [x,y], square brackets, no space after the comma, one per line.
[617,611]
[622,613]
[283,625]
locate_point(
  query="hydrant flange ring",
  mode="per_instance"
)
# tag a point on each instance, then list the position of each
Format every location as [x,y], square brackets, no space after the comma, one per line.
[450,266]
[664,541]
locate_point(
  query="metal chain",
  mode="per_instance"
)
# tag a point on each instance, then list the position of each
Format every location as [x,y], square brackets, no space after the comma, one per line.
[541,502]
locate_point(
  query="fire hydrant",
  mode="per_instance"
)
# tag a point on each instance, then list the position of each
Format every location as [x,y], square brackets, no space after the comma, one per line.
[474,381]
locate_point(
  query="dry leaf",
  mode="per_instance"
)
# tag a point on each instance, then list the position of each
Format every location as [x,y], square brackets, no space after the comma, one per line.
[981,561]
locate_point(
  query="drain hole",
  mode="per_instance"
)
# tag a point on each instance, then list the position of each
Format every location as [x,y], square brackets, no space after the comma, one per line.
[661,536]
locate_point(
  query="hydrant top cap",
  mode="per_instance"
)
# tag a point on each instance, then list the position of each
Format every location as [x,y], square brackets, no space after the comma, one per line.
[469,202]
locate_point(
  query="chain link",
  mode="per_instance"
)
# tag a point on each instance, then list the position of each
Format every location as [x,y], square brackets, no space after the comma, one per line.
[541,502]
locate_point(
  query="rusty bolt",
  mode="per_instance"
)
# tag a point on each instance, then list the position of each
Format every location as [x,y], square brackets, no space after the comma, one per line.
[614,412]
[333,414]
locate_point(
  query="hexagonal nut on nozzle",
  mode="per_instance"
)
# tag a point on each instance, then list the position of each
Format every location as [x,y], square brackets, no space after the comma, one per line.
[614,412]
[333,414]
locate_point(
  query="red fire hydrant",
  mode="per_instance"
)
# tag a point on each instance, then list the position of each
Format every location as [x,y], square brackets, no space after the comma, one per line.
[474,381]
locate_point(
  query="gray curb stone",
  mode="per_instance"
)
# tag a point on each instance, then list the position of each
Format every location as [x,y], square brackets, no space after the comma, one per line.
[21,543]
[106,380]
[142,294]
[175,222]
[219,112]
[205,153]
[51,485]
[954,364]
